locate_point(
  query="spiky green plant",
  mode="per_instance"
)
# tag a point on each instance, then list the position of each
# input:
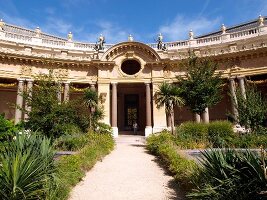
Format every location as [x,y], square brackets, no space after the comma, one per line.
[228,174]
[27,168]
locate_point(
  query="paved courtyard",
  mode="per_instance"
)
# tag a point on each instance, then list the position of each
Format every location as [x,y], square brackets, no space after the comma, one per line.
[128,173]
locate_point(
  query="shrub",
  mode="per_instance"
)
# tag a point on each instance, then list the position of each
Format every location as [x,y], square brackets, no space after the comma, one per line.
[163,146]
[72,168]
[220,133]
[192,135]
[7,129]
[71,142]
[103,128]
[27,168]
[229,175]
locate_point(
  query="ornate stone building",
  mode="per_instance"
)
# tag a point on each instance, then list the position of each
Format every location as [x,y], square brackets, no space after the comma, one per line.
[127,74]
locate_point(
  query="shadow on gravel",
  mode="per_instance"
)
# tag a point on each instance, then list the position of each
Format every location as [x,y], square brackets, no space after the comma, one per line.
[177,193]
[138,145]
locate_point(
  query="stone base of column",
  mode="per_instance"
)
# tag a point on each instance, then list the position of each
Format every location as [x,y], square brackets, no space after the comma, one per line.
[115,132]
[157,129]
[148,131]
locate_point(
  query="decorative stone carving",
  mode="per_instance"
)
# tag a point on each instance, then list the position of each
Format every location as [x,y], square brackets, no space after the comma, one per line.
[261,21]
[26,70]
[223,29]
[130,38]
[38,32]
[2,24]
[191,35]
[70,36]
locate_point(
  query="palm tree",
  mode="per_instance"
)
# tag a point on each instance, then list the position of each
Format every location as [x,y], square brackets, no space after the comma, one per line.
[168,95]
[91,101]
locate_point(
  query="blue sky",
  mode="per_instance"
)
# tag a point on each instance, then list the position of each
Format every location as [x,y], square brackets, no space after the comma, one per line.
[116,19]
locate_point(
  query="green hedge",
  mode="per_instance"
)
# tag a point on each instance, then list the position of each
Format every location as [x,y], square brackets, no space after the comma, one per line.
[217,134]
[220,133]
[71,169]
[163,146]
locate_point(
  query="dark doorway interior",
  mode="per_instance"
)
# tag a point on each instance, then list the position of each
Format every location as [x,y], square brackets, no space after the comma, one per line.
[131,105]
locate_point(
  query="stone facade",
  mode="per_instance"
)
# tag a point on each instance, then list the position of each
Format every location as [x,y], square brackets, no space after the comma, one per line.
[241,52]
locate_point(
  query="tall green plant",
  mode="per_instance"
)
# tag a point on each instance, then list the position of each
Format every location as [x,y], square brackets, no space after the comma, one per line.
[252,108]
[27,168]
[91,100]
[168,96]
[201,86]
[229,175]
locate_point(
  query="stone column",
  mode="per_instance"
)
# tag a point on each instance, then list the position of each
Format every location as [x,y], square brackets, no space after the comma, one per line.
[19,101]
[114,110]
[29,91]
[59,92]
[233,98]
[197,118]
[66,91]
[205,115]
[241,82]
[148,129]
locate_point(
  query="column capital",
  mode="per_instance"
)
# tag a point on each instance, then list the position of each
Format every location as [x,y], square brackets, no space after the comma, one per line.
[67,82]
[240,77]
[114,83]
[231,78]
[29,80]
[21,79]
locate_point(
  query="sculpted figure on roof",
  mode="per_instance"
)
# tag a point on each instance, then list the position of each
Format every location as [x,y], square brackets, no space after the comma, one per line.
[100,43]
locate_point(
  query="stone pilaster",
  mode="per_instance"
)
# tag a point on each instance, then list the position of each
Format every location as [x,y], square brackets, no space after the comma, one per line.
[103,90]
[19,101]
[233,98]
[148,129]
[159,115]
[66,91]
[29,91]
[114,108]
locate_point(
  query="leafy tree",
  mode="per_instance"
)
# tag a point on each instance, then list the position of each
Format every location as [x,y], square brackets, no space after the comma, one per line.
[49,116]
[201,86]
[168,95]
[251,109]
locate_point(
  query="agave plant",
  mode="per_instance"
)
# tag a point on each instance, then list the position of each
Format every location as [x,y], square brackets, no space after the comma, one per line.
[27,168]
[228,174]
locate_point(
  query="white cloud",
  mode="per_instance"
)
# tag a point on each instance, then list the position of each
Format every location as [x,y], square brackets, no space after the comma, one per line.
[16,20]
[112,32]
[57,26]
[178,29]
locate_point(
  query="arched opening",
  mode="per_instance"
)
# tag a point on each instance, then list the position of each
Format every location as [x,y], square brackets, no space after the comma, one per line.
[130,67]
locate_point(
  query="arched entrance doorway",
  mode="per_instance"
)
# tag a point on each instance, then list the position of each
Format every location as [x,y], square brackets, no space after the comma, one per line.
[131,107]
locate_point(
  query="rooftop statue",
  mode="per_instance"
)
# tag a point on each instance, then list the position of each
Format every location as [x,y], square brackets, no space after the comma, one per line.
[100,43]
[160,44]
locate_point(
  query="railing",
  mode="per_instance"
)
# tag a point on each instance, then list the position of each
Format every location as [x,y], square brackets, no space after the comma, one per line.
[14,36]
[53,42]
[244,33]
[28,37]
[209,39]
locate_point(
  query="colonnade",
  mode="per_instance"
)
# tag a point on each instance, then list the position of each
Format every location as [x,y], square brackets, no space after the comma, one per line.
[27,84]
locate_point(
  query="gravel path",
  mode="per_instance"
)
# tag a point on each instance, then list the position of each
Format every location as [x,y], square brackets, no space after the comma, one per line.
[128,173]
